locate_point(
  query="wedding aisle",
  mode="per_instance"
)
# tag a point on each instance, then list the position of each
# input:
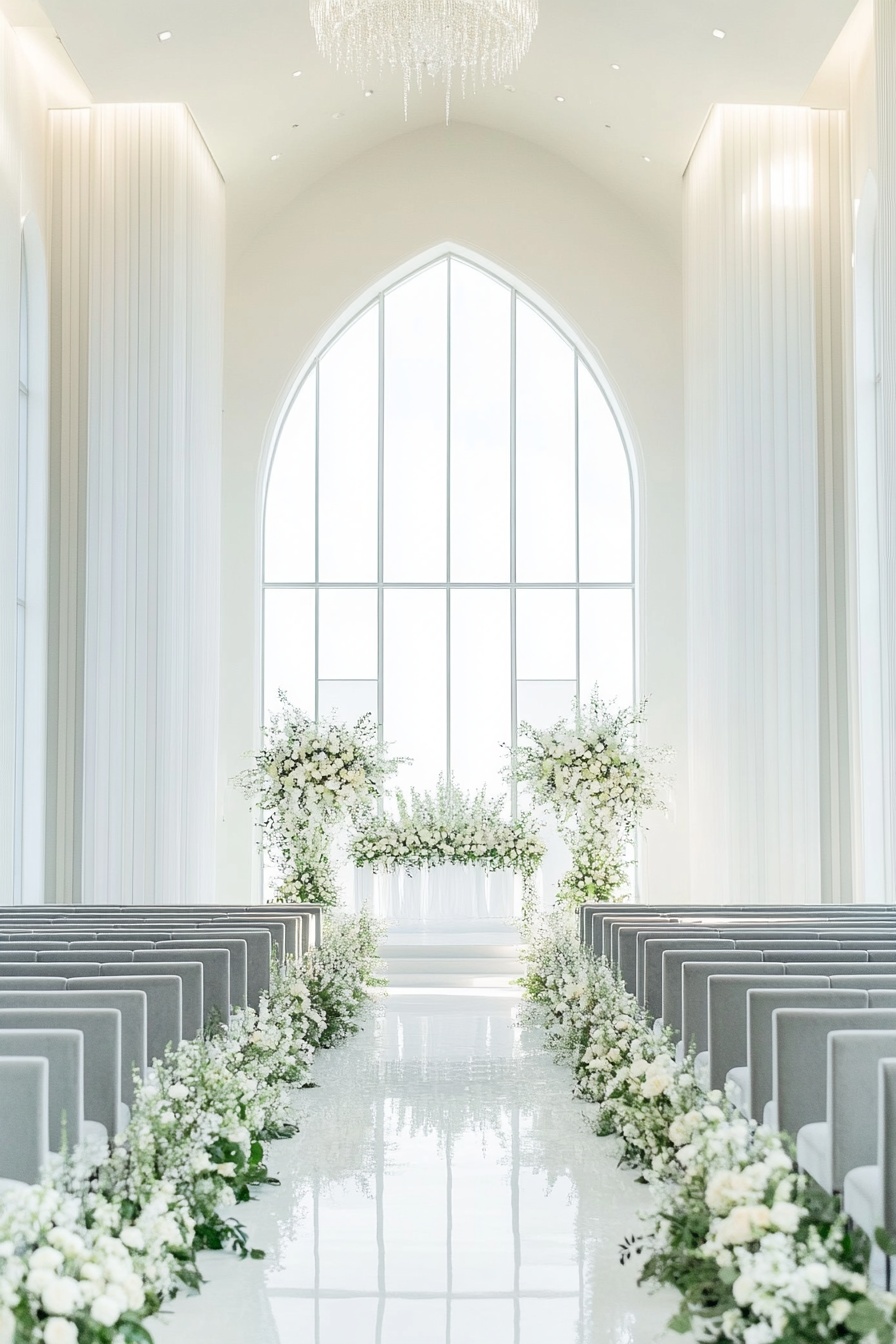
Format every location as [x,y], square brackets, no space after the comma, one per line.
[444,1187]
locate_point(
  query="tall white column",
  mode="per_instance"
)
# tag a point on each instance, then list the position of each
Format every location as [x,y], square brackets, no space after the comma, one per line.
[137,217]
[885,56]
[764,438]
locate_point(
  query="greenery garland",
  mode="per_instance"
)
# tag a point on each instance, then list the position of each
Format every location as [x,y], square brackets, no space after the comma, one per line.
[309,778]
[758,1252]
[599,780]
[449,826]
[94,1249]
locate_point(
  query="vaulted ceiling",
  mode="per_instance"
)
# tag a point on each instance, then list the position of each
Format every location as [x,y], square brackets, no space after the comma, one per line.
[633,127]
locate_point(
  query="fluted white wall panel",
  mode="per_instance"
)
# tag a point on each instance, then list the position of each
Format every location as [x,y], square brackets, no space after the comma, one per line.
[10,254]
[138,216]
[885,56]
[759,195]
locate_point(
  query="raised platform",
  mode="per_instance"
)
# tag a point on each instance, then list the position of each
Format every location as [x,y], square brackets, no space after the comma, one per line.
[484,954]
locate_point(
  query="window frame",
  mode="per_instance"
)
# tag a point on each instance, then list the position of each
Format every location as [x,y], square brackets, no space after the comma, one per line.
[583,355]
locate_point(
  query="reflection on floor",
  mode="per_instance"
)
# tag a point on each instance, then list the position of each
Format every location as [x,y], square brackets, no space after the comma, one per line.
[444,1189]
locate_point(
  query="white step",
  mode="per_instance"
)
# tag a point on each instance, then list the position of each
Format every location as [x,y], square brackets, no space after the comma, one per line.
[453,966]
[392,951]
[424,980]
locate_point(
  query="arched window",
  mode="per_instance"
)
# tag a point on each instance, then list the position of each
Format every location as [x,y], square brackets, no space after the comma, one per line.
[449,534]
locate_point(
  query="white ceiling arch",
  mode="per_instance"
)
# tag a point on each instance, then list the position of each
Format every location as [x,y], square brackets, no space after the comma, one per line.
[632,128]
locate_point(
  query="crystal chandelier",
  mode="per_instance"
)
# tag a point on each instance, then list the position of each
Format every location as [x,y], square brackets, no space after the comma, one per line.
[476,41]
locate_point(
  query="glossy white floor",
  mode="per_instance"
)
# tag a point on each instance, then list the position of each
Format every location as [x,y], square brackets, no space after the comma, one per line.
[445,1189]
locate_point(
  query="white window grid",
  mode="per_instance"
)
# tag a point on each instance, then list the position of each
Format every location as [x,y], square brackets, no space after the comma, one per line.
[512,586]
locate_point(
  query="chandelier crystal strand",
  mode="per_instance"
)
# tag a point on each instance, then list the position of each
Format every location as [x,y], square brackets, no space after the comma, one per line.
[477,41]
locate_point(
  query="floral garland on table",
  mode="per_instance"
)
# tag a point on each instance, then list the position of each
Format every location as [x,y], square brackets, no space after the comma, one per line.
[103,1241]
[599,780]
[759,1254]
[449,826]
[309,778]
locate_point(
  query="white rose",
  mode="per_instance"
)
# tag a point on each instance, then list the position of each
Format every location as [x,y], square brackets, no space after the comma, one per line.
[726,1188]
[760,1333]
[133,1237]
[8,1327]
[838,1310]
[179,1092]
[105,1310]
[226,1169]
[45,1257]
[786,1217]
[656,1084]
[61,1296]
[58,1331]
[743,1224]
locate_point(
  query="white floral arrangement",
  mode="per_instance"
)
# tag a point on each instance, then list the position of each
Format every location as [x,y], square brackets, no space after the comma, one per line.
[309,779]
[449,826]
[105,1238]
[599,780]
[758,1253]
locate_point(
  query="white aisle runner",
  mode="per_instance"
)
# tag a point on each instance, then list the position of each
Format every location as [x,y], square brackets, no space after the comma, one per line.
[444,1189]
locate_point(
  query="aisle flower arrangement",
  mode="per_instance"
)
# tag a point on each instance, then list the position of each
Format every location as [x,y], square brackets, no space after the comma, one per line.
[758,1253]
[309,779]
[105,1239]
[599,780]
[449,826]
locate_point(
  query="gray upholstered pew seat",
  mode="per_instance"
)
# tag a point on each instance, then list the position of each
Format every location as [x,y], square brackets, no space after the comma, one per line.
[101,1028]
[694,996]
[190,975]
[164,998]
[757,1080]
[800,1055]
[24,1119]
[647,939]
[52,969]
[94,955]
[131,1004]
[63,1050]
[674,960]
[869,1192]
[847,1137]
[239,961]
[259,950]
[728,1048]
[215,962]
[651,983]
[631,938]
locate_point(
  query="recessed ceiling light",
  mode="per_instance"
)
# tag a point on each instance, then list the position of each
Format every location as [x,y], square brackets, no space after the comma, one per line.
[559,98]
[614,66]
[646,158]
[717,32]
[337,116]
[274,158]
[164,37]
[296,74]
[368,93]
[510,88]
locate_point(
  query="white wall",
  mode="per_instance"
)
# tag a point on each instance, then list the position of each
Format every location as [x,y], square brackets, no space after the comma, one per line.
[23,103]
[137,230]
[577,247]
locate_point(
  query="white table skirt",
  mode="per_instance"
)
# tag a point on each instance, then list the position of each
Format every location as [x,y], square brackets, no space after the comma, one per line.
[449,892]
